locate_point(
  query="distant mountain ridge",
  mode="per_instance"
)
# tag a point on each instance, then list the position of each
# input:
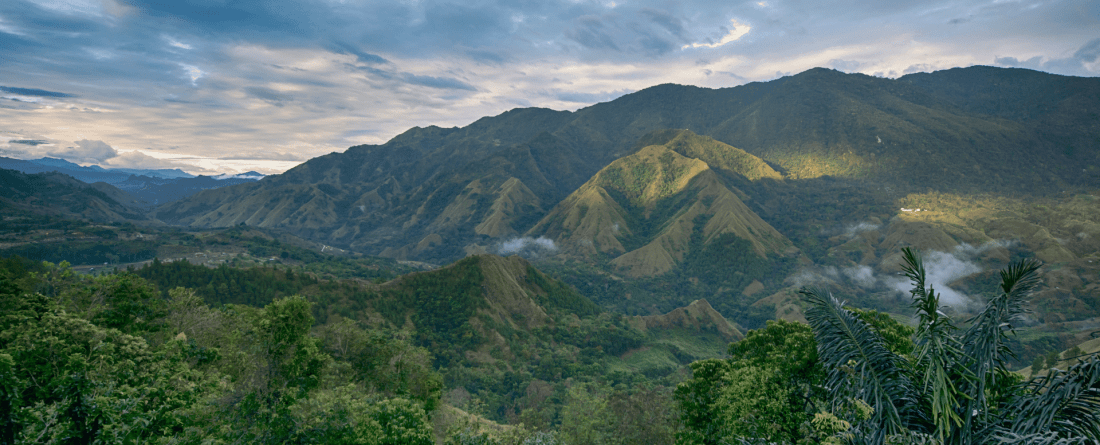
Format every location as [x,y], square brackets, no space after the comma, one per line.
[434,193]
[89,174]
[153,191]
[147,187]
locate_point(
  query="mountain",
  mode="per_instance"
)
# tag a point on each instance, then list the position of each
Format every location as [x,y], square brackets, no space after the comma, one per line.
[58,195]
[643,210]
[152,191]
[435,193]
[698,315]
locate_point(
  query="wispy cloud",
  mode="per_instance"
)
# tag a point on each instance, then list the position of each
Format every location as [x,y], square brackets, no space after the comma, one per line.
[736,32]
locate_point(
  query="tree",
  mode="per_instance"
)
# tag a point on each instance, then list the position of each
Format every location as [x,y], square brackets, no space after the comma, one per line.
[956,389]
[389,365]
[1038,365]
[698,399]
[772,386]
[585,417]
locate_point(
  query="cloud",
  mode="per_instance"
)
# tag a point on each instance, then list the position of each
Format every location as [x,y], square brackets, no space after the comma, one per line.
[33,92]
[589,98]
[199,74]
[863,226]
[268,95]
[527,247]
[1076,65]
[847,66]
[1089,52]
[669,22]
[266,156]
[862,275]
[591,33]
[139,160]
[736,32]
[941,269]
[360,56]
[445,83]
[85,151]
[31,142]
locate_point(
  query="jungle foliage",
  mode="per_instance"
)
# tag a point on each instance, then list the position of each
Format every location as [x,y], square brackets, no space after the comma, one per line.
[108,359]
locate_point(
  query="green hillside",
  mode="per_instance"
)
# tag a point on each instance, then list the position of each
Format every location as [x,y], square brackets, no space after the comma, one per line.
[643,211]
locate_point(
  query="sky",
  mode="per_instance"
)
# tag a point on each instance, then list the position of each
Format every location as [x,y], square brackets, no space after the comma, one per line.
[227,86]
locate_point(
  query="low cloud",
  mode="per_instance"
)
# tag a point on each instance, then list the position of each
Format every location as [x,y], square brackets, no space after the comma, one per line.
[856,229]
[136,159]
[941,268]
[85,151]
[863,276]
[527,247]
[847,66]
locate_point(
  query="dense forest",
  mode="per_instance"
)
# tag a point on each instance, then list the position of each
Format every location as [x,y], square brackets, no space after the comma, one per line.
[181,353]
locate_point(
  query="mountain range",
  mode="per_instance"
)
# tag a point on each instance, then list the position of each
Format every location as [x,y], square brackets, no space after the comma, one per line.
[89,174]
[146,187]
[437,193]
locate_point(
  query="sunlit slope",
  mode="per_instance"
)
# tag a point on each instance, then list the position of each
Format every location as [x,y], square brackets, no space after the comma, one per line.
[647,210]
[823,122]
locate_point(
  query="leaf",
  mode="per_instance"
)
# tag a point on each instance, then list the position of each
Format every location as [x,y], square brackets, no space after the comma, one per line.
[860,366]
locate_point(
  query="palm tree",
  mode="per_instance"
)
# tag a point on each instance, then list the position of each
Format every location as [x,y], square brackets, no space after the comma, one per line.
[956,387]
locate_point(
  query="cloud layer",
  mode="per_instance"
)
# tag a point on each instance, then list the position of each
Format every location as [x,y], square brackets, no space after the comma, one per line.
[307,77]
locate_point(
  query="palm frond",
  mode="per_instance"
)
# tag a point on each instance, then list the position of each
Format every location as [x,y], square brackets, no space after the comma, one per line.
[937,354]
[1048,438]
[985,340]
[860,366]
[1064,402]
